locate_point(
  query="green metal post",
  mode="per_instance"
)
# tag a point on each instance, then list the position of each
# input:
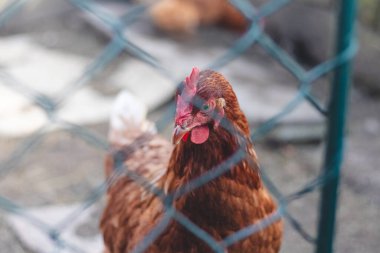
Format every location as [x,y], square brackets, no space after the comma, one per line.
[336,125]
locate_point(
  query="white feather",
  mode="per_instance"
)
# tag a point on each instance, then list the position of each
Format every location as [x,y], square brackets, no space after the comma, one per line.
[128,115]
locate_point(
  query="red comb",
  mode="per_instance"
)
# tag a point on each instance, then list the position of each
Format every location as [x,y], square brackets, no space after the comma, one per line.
[184,107]
[191,83]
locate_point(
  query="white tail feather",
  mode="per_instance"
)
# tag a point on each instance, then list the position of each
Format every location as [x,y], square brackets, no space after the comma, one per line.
[128,119]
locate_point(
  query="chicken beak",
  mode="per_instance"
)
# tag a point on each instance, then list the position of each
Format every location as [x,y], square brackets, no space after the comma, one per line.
[178,134]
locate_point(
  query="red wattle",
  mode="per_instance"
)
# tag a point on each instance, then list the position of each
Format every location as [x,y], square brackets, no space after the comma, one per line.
[199,134]
[186,136]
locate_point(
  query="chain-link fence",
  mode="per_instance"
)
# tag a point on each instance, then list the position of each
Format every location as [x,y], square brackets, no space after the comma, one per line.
[335,113]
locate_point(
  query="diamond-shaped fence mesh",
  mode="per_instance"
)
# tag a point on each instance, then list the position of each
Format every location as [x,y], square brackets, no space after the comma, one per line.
[334,113]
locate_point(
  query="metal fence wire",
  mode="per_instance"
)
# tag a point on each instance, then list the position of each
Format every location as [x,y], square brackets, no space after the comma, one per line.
[335,113]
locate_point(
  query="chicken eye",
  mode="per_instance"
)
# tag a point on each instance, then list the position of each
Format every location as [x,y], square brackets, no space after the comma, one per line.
[205,107]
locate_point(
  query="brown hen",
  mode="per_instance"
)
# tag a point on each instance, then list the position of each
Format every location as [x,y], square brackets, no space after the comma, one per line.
[185,16]
[205,136]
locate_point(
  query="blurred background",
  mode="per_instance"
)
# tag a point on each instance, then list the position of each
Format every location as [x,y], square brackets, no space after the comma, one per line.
[63,62]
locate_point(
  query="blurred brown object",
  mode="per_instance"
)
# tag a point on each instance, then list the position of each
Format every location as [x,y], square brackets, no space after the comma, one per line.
[185,16]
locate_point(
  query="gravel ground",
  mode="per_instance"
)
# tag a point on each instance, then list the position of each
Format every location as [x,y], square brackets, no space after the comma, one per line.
[63,169]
